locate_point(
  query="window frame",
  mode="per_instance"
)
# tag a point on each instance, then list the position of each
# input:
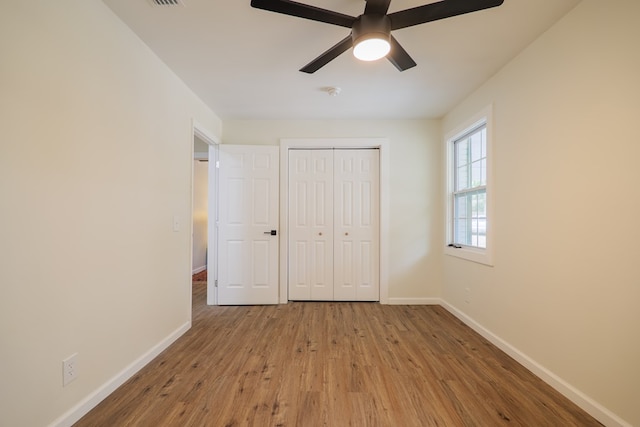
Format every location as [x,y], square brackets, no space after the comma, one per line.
[470,253]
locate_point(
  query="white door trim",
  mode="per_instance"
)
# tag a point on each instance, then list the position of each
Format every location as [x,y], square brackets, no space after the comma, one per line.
[380,143]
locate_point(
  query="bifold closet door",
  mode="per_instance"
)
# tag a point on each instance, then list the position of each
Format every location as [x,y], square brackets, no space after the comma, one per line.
[334,211]
[356,225]
[310,225]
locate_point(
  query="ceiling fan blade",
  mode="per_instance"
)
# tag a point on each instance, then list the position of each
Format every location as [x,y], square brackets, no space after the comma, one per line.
[399,57]
[377,7]
[440,10]
[300,10]
[328,56]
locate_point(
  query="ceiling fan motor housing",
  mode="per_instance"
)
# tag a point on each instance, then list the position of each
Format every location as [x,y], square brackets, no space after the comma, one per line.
[371,26]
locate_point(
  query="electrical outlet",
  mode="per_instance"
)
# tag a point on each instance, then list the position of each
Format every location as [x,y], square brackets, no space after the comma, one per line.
[467,295]
[176,223]
[69,369]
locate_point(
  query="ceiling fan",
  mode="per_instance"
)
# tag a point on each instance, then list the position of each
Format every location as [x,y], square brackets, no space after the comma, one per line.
[371,32]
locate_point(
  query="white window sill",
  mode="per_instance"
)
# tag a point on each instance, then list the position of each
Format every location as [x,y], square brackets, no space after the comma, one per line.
[481,256]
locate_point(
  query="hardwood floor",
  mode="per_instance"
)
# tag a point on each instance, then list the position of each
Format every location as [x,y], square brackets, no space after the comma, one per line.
[332,364]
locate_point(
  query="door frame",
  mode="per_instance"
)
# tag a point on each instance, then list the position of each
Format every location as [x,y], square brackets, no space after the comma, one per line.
[381,144]
[200,131]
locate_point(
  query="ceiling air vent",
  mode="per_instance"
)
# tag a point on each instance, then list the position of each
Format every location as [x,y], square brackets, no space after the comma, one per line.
[167,2]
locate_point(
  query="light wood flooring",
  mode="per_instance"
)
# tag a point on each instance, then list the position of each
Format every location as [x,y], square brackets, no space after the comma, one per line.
[332,364]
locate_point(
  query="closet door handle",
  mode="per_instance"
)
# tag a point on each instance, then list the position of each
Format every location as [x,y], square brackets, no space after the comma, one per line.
[272,232]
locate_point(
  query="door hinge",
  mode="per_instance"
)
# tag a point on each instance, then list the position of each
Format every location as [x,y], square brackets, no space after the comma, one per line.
[217,164]
[215,283]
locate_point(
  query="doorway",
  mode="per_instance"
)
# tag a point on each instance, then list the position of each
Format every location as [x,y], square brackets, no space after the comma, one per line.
[200,210]
[204,208]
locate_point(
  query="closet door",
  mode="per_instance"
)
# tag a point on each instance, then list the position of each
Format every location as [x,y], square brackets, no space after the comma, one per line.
[310,225]
[356,225]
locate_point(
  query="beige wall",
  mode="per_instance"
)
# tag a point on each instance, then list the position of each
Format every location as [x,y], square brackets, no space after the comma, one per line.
[565,287]
[95,160]
[416,216]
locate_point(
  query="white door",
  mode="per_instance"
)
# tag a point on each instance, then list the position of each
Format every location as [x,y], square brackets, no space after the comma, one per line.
[248,224]
[311,224]
[334,223]
[356,225]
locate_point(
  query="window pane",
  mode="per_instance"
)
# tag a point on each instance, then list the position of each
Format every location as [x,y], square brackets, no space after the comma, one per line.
[463,232]
[474,232]
[474,205]
[482,204]
[462,164]
[461,206]
[476,146]
[483,174]
[476,174]
[483,136]
[470,218]
[462,178]
[462,152]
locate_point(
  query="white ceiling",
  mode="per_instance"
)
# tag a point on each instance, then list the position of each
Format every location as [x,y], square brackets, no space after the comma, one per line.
[243,62]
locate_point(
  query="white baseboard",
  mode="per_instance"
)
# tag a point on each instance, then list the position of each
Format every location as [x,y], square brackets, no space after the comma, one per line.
[414,301]
[589,405]
[198,270]
[92,400]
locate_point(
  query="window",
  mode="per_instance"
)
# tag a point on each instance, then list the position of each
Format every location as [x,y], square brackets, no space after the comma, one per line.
[468,190]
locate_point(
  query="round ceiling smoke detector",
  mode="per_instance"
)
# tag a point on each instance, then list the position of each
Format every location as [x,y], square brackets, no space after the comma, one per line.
[333,90]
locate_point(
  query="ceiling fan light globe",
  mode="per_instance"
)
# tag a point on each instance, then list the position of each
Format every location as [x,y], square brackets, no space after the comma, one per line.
[371,49]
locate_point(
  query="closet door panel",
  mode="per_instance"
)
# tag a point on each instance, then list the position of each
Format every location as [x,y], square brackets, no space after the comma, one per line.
[311,225]
[356,227]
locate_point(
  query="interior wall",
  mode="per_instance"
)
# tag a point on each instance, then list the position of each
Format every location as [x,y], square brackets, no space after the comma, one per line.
[564,289]
[95,163]
[416,216]
[200,215]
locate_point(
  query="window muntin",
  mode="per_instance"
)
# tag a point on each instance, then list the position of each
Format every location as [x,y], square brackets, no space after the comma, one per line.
[469,222]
